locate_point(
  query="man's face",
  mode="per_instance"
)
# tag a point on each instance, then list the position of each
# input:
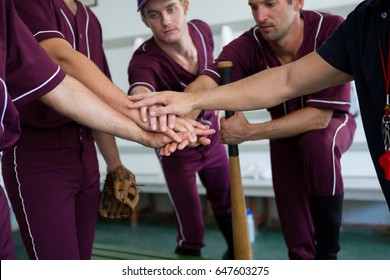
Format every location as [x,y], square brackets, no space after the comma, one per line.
[274,17]
[166,19]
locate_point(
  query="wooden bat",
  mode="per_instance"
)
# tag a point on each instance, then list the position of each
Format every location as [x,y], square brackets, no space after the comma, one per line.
[241,239]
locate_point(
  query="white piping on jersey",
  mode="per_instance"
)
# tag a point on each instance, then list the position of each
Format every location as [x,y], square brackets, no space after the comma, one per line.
[5,103]
[328,102]
[86,31]
[143,84]
[49,31]
[23,206]
[203,44]
[144,47]
[183,237]
[333,152]
[184,85]
[214,72]
[173,206]
[318,29]
[206,122]
[314,48]
[70,27]
[254,36]
[31,91]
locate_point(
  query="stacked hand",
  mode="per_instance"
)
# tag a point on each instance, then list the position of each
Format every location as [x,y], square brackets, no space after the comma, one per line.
[183,131]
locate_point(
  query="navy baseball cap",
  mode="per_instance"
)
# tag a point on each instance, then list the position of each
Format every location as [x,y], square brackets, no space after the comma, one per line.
[141,4]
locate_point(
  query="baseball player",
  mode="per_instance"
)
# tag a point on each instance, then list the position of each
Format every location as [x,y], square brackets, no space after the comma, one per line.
[176,54]
[52,174]
[307,135]
[17,46]
[26,74]
[305,155]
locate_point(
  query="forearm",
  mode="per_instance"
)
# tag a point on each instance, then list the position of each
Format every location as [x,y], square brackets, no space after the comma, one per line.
[75,101]
[290,125]
[84,70]
[272,86]
[202,82]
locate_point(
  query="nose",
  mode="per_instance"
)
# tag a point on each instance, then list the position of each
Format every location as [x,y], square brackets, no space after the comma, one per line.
[260,14]
[165,19]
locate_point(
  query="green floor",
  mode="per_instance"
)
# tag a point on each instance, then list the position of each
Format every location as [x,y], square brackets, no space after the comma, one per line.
[156,235]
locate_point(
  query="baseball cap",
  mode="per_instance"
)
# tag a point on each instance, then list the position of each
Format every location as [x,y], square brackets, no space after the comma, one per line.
[141,4]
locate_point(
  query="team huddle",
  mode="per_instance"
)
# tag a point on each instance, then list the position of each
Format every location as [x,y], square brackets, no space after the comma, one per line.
[52,60]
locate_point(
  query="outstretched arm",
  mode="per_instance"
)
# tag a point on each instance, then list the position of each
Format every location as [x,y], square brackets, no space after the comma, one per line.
[237,129]
[80,67]
[306,75]
[74,100]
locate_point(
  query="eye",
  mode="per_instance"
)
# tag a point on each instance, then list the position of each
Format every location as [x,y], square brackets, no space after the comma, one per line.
[153,15]
[172,9]
[270,4]
[253,7]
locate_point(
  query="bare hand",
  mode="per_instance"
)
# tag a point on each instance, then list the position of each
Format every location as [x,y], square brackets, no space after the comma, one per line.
[233,129]
[173,103]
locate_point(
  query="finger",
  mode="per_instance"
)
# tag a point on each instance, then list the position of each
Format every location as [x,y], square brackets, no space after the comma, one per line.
[144,114]
[174,135]
[172,147]
[164,151]
[136,97]
[186,124]
[204,141]
[182,145]
[171,121]
[153,121]
[197,124]
[140,100]
[204,132]
[163,123]
[168,149]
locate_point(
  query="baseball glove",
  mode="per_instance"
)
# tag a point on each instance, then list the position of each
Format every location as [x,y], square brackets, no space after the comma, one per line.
[120,194]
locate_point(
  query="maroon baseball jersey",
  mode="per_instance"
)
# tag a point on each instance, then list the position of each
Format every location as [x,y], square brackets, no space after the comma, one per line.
[151,67]
[250,53]
[306,165]
[53,19]
[67,165]
[26,72]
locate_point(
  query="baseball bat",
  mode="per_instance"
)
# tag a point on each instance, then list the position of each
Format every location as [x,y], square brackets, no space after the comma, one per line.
[241,239]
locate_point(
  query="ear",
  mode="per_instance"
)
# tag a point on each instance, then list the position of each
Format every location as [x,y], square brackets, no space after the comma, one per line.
[144,21]
[186,6]
[298,4]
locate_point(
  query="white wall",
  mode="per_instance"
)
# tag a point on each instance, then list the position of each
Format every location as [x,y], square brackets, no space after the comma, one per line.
[120,18]
[122,25]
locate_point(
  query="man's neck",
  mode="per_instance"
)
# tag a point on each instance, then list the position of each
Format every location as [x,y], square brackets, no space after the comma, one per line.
[287,49]
[183,52]
[72,5]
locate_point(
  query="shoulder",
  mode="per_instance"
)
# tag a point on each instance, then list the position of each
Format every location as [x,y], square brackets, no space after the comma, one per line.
[146,56]
[200,26]
[321,18]
[249,37]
